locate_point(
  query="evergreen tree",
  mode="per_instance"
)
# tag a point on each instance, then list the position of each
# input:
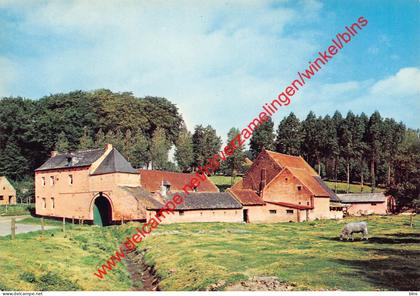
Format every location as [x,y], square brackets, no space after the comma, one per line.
[315,133]
[331,149]
[234,163]
[184,154]
[289,136]
[347,148]
[159,148]
[336,119]
[374,131]
[86,142]
[62,145]
[263,137]
[206,143]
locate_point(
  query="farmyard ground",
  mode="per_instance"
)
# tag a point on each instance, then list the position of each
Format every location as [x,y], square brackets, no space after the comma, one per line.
[195,256]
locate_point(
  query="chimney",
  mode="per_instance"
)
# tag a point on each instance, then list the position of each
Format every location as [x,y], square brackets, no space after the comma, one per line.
[263,181]
[108,147]
[54,153]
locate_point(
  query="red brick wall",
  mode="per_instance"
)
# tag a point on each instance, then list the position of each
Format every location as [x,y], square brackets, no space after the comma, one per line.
[252,178]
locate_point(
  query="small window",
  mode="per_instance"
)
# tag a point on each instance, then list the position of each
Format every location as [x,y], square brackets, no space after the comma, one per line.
[43,181]
[1,197]
[181,213]
[224,213]
[52,180]
[273,212]
[286,179]
[373,204]
[52,202]
[44,203]
[307,203]
[70,179]
[201,213]
[299,188]
[290,211]
[300,203]
[214,212]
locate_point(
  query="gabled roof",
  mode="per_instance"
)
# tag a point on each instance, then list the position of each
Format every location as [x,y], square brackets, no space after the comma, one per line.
[143,196]
[290,161]
[362,197]
[114,162]
[206,201]
[246,197]
[311,182]
[4,182]
[152,180]
[72,160]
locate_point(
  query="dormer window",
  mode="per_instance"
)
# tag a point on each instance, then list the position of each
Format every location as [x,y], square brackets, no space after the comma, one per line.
[165,188]
[69,161]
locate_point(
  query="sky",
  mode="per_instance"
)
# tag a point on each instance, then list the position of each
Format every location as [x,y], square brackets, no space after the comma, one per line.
[218,61]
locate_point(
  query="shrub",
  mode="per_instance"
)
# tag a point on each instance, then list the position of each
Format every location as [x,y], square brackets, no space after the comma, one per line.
[53,282]
[28,277]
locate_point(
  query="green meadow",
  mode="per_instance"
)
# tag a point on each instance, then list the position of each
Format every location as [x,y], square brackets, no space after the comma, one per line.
[194,256]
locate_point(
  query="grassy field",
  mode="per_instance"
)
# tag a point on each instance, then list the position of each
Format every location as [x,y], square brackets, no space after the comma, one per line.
[59,261]
[16,210]
[309,255]
[193,256]
[224,182]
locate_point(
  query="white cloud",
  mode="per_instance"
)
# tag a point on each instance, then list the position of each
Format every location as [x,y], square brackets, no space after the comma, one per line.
[405,83]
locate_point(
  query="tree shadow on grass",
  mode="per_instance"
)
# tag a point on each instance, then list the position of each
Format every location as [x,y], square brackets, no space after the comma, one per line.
[398,271]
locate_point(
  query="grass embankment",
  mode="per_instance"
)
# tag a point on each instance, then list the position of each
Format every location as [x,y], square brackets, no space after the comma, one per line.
[224,182]
[59,261]
[16,210]
[192,256]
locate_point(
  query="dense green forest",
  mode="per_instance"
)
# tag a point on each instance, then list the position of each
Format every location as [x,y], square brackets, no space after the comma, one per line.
[353,148]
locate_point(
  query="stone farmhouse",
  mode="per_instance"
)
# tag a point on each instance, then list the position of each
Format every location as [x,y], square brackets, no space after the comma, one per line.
[98,185]
[7,192]
[281,188]
[101,186]
[357,204]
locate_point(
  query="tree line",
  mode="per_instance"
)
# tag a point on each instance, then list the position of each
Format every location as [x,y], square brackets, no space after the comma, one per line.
[355,148]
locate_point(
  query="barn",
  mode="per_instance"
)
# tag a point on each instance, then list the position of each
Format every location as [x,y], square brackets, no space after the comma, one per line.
[7,192]
[367,203]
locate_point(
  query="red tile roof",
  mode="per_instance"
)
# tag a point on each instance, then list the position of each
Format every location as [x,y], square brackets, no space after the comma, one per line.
[152,180]
[247,197]
[290,205]
[291,161]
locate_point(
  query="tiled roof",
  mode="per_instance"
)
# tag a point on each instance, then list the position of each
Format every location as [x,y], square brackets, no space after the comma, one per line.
[152,181]
[114,162]
[143,196]
[362,197]
[246,197]
[71,160]
[291,161]
[333,196]
[290,205]
[309,181]
[206,201]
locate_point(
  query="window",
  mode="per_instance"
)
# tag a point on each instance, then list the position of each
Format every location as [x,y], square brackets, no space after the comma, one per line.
[52,202]
[181,213]
[299,188]
[373,204]
[307,203]
[44,203]
[70,179]
[273,212]
[201,213]
[286,179]
[52,180]
[290,211]
[300,203]
[43,181]
[1,197]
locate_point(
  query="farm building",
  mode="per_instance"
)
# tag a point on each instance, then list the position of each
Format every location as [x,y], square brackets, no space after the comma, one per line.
[203,207]
[281,188]
[165,183]
[7,192]
[98,185]
[367,203]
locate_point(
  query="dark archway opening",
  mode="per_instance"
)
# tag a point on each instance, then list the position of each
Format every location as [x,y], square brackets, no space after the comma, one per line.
[102,211]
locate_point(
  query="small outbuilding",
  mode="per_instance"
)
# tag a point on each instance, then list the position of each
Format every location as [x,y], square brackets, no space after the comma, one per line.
[7,192]
[357,204]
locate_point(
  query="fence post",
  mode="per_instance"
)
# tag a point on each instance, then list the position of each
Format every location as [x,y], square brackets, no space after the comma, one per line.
[42,226]
[13,228]
[411,220]
[64,225]
[72,220]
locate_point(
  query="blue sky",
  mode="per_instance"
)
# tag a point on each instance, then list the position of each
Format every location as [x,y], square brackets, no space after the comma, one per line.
[219,61]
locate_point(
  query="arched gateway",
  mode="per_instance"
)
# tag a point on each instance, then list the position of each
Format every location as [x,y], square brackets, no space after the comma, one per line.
[102,211]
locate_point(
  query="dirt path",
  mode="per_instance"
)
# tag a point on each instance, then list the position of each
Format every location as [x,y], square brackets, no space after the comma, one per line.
[143,277]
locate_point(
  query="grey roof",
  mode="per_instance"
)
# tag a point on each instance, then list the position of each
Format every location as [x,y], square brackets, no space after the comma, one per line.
[333,196]
[114,162]
[362,197]
[142,195]
[207,201]
[73,159]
